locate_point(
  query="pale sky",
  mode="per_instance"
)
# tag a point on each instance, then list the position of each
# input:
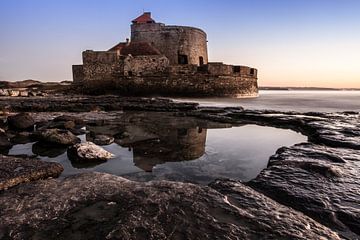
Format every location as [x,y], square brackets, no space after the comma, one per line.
[306,43]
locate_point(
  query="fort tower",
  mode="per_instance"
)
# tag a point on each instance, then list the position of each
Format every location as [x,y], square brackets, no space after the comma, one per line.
[181,45]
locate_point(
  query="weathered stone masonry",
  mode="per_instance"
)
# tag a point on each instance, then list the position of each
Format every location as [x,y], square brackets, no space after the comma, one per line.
[162,59]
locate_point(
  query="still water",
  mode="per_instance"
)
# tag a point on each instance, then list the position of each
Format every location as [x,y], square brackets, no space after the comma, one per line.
[154,146]
[301,101]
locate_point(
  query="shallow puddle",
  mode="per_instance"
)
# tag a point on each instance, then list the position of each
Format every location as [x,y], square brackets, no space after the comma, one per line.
[178,149]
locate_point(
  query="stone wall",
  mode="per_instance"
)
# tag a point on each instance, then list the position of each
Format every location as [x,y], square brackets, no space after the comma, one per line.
[199,84]
[78,73]
[189,69]
[218,68]
[173,41]
[247,71]
[144,65]
[100,65]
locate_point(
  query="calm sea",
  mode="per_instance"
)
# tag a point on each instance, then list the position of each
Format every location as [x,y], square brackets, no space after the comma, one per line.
[301,101]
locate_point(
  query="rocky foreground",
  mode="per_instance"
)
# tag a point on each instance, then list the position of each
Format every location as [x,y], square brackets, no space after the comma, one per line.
[309,191]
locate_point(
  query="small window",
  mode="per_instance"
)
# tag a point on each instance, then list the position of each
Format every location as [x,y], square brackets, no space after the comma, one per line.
[130,73]
[252,71]
[200,130]
[183,59]
[201,61]
[236,69]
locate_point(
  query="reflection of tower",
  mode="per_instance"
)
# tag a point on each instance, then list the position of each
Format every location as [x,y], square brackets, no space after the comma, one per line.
[177,145]
[156,137]
[192,142]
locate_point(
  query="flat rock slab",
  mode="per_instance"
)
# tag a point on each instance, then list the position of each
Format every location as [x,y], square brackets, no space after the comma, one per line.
[322,182]
[104,206]
[14,171]
[73,103]
[331,129]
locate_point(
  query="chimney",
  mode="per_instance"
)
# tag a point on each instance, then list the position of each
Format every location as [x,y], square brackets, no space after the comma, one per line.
[127,41]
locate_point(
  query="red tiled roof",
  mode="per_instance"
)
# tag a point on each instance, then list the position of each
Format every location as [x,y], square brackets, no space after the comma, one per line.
[135,48]
[118,46]
[144,18]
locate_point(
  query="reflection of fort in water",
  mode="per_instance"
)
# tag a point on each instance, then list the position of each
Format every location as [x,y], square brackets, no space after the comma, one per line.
[156,138]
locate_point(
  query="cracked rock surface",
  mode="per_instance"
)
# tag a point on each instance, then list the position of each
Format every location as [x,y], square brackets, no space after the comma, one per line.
[103,206]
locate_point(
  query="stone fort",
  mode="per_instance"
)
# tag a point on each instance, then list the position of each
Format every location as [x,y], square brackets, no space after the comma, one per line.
[162,59]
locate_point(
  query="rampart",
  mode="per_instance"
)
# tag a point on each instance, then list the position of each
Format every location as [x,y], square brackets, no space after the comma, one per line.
[133,77]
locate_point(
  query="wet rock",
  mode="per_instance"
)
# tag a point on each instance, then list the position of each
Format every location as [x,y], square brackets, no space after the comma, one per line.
[61,124]
[320,181]
[88,152]
[103,206]
[21,121]
[77,131]
[67,118]
[331,129]
[4,141]
[22,138]
[14,171]
[103,140]
[87,104]
[41,125]
[57,136]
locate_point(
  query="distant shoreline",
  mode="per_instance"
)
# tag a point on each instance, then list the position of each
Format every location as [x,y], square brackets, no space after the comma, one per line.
[22,83]
[308,89]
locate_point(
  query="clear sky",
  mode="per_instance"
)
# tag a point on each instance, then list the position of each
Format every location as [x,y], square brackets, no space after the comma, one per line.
[291,42]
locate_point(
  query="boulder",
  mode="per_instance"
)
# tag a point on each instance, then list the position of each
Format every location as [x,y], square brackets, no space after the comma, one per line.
[103,139]
[57,136]
[21,121]
[88,152]
[104,206]
[14,171]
